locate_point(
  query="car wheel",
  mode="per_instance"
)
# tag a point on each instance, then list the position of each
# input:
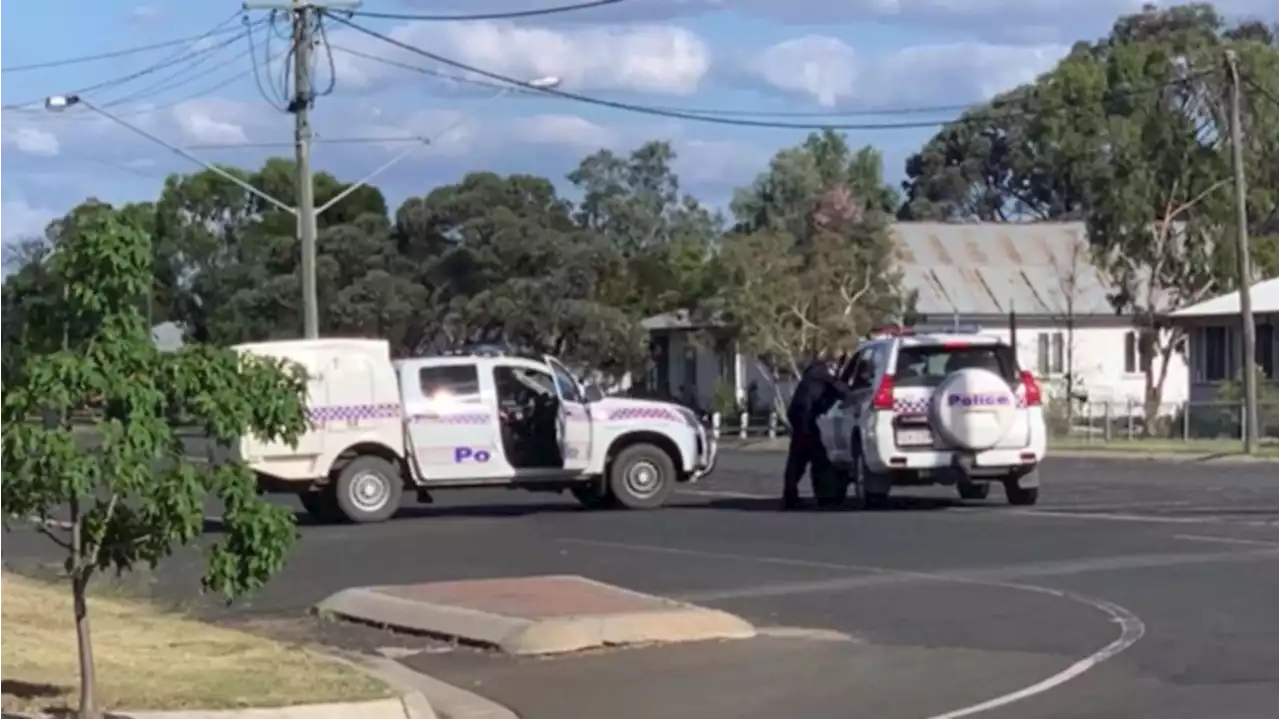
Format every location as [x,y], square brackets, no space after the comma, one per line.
[1020,496]
[368,490]
[593,495]
[642,476]
[321,505]
[974,490]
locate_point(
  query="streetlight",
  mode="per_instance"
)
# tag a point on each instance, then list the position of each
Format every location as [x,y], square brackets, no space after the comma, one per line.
[307,214]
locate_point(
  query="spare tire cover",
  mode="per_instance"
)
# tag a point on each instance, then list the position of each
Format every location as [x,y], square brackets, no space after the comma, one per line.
[974,408]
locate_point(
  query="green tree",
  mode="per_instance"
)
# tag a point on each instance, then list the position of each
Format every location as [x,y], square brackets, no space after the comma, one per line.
[1128,133]
[128,494]
[664,236]
[504,261]
[811,263]
[227,261]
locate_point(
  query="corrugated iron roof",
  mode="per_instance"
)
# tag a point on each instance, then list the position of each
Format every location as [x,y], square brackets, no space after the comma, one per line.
[988,269]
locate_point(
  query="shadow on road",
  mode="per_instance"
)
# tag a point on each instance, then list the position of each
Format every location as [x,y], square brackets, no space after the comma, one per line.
[760,504]
[521,509]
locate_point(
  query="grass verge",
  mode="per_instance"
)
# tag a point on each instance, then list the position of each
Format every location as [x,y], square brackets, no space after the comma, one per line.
[149,659]
[1161,446]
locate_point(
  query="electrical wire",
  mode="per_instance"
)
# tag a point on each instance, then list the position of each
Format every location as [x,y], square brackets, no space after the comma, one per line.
[328,51]
[732,121]
[276,101]
[181,82]
[181,77]
[463,79]
[218,30]
[168,62]
[708,111]
[510,15]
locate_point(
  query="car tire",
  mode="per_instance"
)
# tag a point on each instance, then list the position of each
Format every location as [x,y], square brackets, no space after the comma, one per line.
[976,491]
[593,495]
[368,489]
[322,505]
[1019,496]
[642,476]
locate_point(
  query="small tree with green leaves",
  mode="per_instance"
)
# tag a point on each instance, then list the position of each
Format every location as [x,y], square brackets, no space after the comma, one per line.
[123,492]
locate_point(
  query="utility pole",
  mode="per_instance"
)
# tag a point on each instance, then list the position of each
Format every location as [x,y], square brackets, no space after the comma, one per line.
[304,17]
[300,106]
[1244,276]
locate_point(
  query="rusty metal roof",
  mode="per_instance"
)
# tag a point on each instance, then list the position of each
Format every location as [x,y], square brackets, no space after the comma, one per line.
[990,269]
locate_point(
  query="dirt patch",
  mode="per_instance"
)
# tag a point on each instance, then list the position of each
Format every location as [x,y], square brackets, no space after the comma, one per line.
[149,659]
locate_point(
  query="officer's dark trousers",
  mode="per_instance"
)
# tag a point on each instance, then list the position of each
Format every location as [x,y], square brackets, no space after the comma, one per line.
[805,452]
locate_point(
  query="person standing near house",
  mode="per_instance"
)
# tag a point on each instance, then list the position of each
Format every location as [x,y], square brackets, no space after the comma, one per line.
[817,391]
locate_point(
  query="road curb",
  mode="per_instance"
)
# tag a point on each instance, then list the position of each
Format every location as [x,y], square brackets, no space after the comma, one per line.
[522,636]
[413,705]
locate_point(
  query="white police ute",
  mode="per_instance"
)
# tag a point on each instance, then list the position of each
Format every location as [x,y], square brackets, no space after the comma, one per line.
[481,418]
[943,408]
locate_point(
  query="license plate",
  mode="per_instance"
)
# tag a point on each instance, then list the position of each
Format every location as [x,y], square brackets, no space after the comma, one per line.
[914,438]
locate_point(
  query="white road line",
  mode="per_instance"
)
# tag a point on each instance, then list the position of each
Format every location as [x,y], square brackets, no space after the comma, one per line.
[1124,517]
[1225,540]
[1131,626]
[1131,630]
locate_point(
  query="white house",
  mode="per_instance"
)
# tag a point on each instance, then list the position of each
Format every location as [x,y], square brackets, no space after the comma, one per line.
[1213,338]
[971,274]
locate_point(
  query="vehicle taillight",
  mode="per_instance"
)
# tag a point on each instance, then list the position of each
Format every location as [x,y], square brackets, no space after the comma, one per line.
[883,398]
[1031,388]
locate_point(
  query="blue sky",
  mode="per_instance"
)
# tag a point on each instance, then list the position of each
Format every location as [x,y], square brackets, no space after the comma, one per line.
[797,56]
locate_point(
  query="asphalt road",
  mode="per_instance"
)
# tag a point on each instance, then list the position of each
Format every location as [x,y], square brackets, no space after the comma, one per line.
[1135,589]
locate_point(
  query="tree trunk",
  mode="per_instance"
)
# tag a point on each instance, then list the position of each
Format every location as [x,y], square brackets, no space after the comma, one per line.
[84,650]
[84,645]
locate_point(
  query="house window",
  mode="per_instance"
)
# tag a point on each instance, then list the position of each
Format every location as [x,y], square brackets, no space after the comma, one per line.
[1265,349]
[1214,353]
[1051,353]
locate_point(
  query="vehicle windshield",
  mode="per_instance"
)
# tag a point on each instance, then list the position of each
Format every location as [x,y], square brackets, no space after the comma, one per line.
[928,365]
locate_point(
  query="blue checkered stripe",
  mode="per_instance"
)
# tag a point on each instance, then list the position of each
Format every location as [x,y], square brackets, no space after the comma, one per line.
[920,405]
[911,406]
[354,412]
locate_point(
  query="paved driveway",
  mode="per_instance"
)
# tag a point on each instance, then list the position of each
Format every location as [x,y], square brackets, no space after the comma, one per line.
[1136,589]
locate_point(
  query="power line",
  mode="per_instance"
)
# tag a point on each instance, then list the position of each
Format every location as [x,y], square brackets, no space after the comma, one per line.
[178,79]
[419,69]
[168,62]
[708,111]
[511,15]
[125,52]
[278,100]
[733,121]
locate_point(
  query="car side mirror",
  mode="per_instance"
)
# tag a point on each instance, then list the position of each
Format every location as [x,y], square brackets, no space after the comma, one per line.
[592,393]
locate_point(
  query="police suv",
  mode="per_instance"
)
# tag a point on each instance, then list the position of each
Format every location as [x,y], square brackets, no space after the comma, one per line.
[483,418]
[952,409]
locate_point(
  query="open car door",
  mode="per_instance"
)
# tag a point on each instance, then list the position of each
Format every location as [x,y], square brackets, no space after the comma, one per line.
[574,430]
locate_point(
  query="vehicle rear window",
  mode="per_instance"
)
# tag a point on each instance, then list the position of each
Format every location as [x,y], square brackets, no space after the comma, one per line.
[928,365]
[451,383]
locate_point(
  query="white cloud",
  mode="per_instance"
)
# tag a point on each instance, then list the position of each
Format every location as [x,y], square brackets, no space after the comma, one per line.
[833,74]
[210,121]
[32,140]
[660,59]
[19,219]
[569,131]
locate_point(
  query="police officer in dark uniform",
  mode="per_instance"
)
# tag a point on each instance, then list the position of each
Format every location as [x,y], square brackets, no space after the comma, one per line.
[817,392]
